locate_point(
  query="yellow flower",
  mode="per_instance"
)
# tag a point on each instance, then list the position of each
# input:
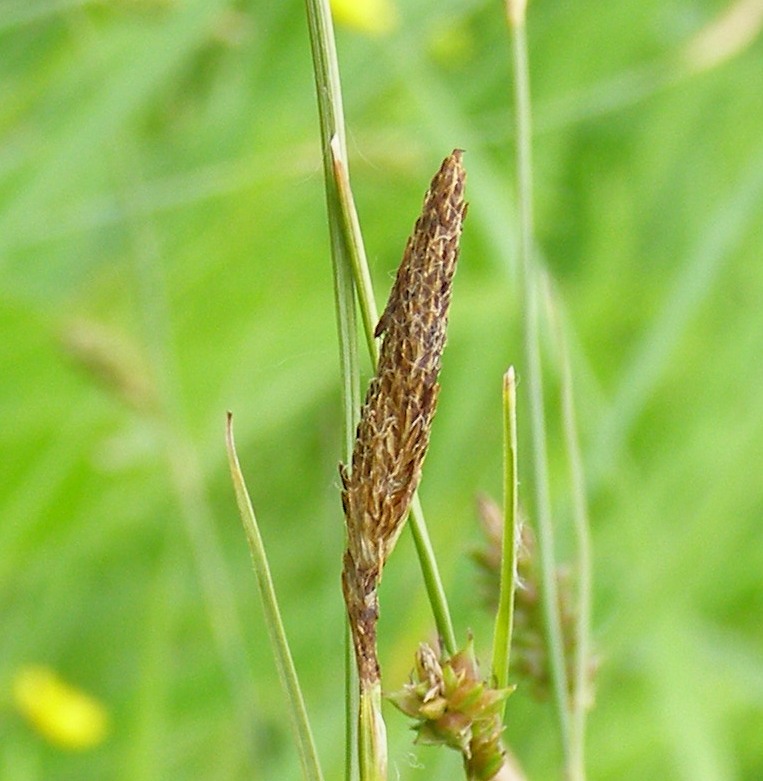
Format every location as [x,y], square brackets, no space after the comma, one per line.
[374,17]
[62,714]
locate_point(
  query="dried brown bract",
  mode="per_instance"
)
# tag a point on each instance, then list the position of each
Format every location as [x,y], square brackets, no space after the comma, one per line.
[393,433]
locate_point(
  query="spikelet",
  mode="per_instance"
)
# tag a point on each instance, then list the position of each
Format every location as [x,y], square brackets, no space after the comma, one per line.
[393,433]
[454,707]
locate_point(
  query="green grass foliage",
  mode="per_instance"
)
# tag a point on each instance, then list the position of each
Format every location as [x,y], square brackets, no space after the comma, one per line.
[161,193]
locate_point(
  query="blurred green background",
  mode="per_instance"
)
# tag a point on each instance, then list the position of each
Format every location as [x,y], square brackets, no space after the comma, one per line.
[164,257]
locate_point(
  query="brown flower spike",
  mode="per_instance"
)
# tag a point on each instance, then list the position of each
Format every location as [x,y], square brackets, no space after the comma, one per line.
[393,433]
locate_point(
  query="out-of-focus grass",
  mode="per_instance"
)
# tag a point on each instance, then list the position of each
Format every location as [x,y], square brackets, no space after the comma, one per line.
[160,178]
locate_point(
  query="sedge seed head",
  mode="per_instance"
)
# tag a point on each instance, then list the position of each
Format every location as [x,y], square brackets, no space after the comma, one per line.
[393,433]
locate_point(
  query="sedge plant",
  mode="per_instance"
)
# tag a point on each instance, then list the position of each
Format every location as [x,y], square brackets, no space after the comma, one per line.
[384,445]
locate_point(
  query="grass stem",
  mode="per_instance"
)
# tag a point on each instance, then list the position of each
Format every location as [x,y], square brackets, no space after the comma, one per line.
[284,663]
[356,251]
[432,580]
[581,687]
[550,597]
[334,151]
[504,619]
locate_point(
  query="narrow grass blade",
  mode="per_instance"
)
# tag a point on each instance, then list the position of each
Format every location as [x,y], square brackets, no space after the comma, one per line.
[581,686]
[432,580]
[331,117]
[284,663]
[355,249]
[516,17]
[504,619]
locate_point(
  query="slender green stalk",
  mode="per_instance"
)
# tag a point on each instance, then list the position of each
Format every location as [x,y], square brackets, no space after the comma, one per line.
[432,580]
[504,619]
[356,250]
[582,697]
[284,663]
[516,16]
[331,117]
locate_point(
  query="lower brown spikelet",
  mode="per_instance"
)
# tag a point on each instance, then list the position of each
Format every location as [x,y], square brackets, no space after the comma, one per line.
[454,707]
[393,433]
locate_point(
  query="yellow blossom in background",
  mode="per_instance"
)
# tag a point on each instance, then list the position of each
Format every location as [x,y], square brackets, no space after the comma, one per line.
[62,714]
[375,17]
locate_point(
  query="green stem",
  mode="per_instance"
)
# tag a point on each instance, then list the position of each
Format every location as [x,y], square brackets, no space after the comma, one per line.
[284,663]
[432,580]
[504,619]
[582,696]
[334,152]
[356,250]
[554,642]
[331,115]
